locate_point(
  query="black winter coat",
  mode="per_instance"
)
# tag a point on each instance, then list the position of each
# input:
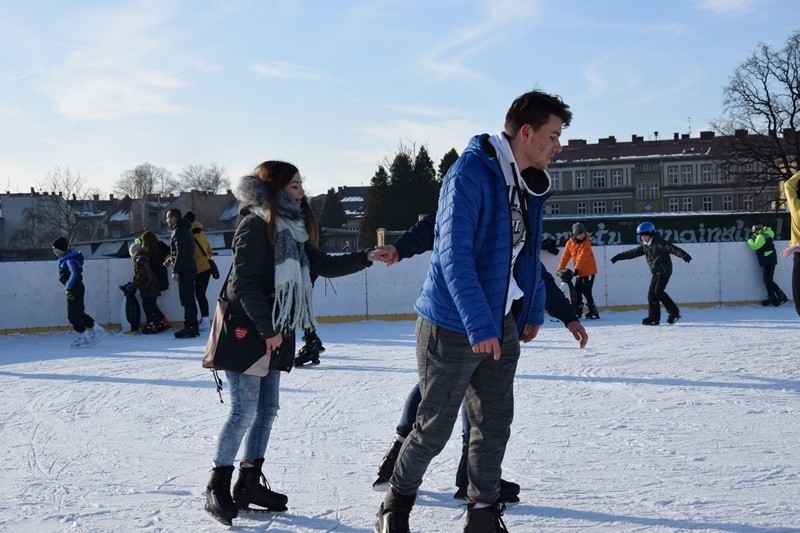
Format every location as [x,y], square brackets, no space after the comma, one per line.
[182,248]
[251,289]
[657,254]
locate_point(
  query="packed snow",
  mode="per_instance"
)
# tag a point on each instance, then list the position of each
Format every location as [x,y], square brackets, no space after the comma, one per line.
[689,427]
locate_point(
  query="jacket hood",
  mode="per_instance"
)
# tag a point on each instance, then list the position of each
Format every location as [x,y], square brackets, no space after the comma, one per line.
[251,191]
[197,227]
[537,181]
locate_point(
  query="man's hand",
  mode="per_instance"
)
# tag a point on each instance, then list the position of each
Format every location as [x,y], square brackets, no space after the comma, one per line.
[491,346]
[385,254]
[579,332]
[175,276]
[70,294]
[529,332]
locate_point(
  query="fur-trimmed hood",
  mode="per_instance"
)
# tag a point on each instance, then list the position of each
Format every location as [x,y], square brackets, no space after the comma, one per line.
[251,192]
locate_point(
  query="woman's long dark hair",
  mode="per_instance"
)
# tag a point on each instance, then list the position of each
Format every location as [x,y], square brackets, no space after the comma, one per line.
[276,175]
[150,243]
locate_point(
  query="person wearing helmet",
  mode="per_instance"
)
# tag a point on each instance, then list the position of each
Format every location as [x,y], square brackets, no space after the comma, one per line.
[657,252]
[761,242]
[579,248]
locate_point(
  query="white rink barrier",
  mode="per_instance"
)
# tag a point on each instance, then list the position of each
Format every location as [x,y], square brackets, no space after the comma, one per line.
[720,273]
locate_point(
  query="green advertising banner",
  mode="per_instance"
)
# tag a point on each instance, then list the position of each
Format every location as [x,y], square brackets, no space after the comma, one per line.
[673,227]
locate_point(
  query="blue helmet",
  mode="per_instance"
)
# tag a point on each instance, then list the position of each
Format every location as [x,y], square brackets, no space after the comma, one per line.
[645,228]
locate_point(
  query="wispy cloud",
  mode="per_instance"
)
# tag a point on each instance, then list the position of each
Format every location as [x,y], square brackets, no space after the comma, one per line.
[107,75]
[12,80]
[448,59]
[729,8]
[279,69]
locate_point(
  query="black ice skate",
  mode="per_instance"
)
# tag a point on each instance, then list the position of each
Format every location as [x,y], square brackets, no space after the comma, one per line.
[252,488]
[592,314]
[219,503]
[486,519]
[393,513]
[387,466]
[310,351]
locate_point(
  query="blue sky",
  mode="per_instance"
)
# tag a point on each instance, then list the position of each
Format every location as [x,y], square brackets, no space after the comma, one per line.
[335,87]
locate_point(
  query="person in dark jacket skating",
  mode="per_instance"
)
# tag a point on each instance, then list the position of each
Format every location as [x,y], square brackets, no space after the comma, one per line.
[70,274]
[419,239]
[761,242]
[657,252]
[183,270]
[146,280]
[274,255]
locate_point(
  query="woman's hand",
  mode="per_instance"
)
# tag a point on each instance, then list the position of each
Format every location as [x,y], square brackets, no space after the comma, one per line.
[273,343]
[790,250]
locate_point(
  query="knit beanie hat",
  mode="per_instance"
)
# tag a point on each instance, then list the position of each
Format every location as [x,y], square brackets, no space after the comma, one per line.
[134,248]
[577,228]
[61,244]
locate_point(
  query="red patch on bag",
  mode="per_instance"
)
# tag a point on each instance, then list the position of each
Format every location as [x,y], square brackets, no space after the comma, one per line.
[240,333]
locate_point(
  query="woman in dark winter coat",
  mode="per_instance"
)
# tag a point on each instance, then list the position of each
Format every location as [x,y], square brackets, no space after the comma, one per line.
[274,255]
[146,263]
[657,251]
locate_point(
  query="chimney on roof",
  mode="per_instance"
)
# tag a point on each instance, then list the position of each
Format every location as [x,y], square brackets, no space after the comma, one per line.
[685,136]
[706,135]
[111,197]
[74,197]
[576,142]
[789,134]
[608,141]
[740,133]
[636,139]
[96,197]
[676,136]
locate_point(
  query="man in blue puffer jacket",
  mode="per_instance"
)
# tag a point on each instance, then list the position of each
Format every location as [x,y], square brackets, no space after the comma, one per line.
[484,292]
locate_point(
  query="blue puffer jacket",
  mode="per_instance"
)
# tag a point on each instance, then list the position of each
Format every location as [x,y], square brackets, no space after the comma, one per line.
[465,290]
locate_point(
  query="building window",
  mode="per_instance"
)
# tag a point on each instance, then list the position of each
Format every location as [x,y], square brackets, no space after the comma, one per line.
[581,208]
[673,205]
[580,179]
[687,176]
[616,207]
[116,234]
[687,204]
[552,209]
[672,175]
[598,179]
[641,191]
[616,177]
[598,208]
[654,190]
[555,181]
[708,203]
[727,203]
[707,173]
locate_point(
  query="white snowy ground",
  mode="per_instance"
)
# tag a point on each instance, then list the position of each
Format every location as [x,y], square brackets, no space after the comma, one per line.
[691,427]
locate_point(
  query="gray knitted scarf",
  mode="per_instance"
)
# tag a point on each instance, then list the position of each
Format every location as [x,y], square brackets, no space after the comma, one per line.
[293,306]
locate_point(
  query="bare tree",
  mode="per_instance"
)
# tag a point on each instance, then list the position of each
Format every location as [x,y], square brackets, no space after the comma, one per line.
[141,184]
[762,118]
[211,178]
[55,212]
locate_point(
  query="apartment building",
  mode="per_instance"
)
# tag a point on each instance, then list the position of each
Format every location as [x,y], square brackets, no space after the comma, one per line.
[681,174]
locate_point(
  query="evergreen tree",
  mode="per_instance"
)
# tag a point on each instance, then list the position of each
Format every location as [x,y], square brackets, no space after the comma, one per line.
[447,162]
[378,198]
[333,215]
[426,184]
